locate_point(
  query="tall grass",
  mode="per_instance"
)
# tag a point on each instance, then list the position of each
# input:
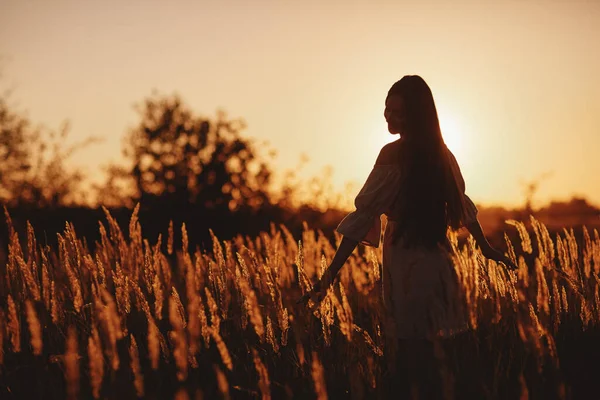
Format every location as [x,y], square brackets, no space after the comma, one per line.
[137,318]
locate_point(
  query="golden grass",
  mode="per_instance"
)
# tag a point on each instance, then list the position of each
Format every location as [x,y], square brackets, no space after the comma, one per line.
[231,315]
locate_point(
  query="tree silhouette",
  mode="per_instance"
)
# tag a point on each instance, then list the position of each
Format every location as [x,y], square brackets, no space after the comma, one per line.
[33,169]
[15,152]
[181,159]
[530,188]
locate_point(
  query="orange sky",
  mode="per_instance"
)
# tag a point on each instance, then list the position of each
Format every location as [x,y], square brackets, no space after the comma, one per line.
[516,82]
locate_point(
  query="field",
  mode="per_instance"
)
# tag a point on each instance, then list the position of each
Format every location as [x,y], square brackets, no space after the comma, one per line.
[147,317]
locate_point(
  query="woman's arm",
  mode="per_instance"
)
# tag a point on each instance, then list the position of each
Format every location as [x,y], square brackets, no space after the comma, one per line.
[344,250]
[486,248]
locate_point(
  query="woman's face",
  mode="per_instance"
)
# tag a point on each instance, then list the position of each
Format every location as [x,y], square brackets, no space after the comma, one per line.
[394,114]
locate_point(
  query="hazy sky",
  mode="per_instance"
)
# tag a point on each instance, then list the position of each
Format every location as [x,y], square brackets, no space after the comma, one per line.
[516,82]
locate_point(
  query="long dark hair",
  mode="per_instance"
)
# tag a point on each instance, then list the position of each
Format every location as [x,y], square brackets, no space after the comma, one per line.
[431,199]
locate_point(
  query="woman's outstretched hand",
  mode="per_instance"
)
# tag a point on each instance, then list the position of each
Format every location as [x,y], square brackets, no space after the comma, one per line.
[495,255]
[318,291]
[320,288]
[488,251]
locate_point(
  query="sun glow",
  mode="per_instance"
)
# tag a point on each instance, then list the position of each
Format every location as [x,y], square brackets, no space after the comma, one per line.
[380,137]
[452,132]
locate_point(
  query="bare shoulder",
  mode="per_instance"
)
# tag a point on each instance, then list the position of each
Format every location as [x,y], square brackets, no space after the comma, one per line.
[389,153]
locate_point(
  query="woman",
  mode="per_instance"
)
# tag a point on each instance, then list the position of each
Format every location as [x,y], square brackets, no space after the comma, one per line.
[416,182]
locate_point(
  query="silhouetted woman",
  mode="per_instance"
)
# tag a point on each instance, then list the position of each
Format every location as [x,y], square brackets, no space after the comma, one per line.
[416,182]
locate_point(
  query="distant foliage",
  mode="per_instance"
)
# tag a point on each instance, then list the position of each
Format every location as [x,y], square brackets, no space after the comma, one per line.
[179,158]
[15,152]
[34,167]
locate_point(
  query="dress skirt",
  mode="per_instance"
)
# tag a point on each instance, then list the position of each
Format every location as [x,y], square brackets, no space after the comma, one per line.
[421,292]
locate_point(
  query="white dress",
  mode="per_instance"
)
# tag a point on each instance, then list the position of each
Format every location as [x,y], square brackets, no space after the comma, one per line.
[421,293]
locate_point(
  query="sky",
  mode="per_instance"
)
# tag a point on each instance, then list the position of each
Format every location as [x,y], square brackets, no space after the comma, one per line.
[515,82]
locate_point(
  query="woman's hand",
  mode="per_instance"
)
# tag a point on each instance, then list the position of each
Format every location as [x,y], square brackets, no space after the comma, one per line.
[488,251]
[319,290]
[495,255]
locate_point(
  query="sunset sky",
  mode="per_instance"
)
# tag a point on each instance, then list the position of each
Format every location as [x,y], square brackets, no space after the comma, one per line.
[516,83]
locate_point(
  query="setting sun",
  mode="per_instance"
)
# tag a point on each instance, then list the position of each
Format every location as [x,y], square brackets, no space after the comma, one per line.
[452,132]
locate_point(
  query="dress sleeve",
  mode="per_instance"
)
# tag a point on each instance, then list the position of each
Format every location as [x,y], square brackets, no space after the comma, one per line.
[376,196]
[470,208]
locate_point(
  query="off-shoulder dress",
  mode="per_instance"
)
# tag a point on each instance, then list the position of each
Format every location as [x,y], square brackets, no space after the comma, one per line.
[421,294]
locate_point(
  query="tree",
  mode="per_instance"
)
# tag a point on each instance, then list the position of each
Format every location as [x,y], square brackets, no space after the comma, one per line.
[530,189]
[33,169]
[15,152]
[179,158]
